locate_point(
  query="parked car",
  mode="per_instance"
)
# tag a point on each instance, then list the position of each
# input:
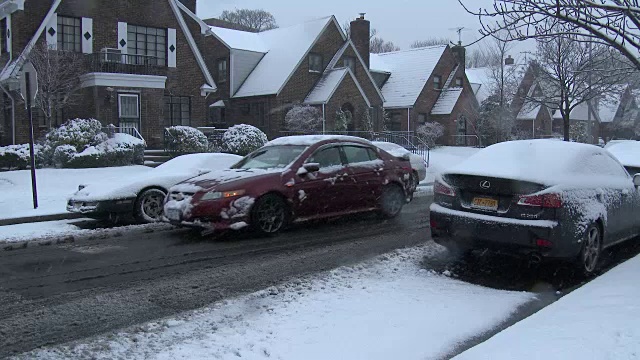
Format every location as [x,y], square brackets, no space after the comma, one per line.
[143,197]
[418,163]
[628,153]
[539,198]
[294,178]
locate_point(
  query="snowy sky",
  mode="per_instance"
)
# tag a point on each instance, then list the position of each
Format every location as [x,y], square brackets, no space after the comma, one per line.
[402,23]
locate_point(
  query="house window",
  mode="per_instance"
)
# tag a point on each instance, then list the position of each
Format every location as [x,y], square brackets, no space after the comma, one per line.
[222,70]
[177,110]
[350,62]
[458,82]
[147,45]
[315,62]
[437,82]
[129,112]
[69,37]
[217,117]
[3,34]
[422,118]
[396,122]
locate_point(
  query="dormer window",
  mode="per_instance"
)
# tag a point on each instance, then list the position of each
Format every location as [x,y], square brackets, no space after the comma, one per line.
[315,63]
[350,62]
[437,82]
[222,70]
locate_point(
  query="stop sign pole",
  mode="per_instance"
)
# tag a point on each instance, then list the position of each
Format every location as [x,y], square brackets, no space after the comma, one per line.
[29,90]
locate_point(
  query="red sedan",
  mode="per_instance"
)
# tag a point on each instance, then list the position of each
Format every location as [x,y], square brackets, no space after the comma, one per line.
[294,178]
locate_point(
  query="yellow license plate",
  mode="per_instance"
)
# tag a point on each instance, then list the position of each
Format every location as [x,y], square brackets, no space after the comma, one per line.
[485,203]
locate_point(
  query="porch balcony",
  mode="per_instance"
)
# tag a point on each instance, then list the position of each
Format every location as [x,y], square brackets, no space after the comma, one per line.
[115,63]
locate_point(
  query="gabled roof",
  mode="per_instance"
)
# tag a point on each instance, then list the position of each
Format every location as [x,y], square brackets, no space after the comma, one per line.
[410,70]
[529,111]
[286,48]
[447,101]
[579,113]
[329,83]
[482,79]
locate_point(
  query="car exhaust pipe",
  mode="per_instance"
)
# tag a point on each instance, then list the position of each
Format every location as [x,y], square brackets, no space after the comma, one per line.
[535,259]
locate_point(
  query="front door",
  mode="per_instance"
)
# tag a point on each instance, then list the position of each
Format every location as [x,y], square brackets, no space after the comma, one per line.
[129,113]
[321,192]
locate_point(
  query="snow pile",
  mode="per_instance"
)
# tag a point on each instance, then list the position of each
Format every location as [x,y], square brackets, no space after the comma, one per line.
[304,119]
[387,308]
[185,139]
[597,321]
[243,139]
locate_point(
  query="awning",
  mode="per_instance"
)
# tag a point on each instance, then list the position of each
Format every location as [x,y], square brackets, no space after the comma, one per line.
[217,104]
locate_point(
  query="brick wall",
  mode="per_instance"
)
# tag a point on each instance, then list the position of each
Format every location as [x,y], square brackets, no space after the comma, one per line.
[367,85]
[347,92]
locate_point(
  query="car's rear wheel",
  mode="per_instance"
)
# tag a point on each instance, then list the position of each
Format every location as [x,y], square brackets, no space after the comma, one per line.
[269,214]
[149,206]
[391,201]
[589,258]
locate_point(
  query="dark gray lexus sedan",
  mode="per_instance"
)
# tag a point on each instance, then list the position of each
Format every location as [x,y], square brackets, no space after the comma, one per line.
[538,198]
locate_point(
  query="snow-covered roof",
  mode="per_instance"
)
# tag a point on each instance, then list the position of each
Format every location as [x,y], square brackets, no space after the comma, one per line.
[529,111]
[607,110]
[482,78]
[241,40]
[219,103]
[579,113]
[547,162]
[376,63]
[309,140]
[447,101]
[410,70]
[286,48]
[326,86]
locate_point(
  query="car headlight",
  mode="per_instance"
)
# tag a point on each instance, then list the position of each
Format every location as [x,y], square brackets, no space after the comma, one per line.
[215,195]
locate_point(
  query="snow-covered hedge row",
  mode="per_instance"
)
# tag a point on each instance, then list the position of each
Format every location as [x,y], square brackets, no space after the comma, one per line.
[243,139]
[185,139]
[16,157]
[120,150]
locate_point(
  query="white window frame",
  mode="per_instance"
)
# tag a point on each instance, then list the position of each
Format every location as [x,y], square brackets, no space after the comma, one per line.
[120,97]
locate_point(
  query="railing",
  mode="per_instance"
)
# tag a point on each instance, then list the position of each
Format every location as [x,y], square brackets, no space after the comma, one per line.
[464,140]
[129,130]
[125,64]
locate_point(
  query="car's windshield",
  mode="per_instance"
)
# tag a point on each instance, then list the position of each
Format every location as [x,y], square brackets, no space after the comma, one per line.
[271,157]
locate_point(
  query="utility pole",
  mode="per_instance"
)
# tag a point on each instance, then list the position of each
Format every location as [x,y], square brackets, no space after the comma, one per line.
[29,91]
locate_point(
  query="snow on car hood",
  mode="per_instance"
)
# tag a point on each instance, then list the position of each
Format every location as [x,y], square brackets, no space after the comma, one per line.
[219,177]
[130,187]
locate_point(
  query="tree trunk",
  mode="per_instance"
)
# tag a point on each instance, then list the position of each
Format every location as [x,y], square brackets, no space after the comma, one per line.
[566,124]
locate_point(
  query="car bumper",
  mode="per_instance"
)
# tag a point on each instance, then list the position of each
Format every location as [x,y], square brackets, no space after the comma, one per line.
[98,208]
[207,216]
[459,230]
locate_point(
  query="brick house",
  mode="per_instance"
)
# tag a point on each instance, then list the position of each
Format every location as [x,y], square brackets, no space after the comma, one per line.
[428,84]
[144,70]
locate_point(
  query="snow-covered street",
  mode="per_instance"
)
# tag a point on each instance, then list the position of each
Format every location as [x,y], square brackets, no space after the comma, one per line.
[382,309]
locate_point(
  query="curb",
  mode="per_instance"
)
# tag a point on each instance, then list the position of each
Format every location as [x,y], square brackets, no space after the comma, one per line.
[41,218]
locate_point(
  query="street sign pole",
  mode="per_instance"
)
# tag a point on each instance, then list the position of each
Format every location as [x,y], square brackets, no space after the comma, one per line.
[34,186]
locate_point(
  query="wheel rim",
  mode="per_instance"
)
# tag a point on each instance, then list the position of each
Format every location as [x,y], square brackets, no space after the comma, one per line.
[271,215]
[393,202]
[591,251]
[152,205]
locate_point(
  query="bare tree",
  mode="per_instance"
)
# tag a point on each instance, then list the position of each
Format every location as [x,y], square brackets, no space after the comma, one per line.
[58,79]
[476,58]
[255,19]
[430,42]
[615,23]
[346,26]
[377,45]
[573,71]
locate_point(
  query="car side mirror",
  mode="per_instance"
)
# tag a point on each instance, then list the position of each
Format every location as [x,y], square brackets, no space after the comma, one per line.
[636,180]
[308,168]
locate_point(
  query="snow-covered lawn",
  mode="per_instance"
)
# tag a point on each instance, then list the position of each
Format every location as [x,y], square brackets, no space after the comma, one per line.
[597,321]
[55,230]
[54,188]
[387,308]
[444,157]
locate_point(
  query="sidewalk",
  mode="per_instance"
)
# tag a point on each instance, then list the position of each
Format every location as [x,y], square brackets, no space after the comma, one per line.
[597,321]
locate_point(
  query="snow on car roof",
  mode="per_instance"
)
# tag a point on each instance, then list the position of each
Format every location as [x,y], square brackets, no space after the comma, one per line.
[545,161]
[627,152]
[200,160]
[308,140]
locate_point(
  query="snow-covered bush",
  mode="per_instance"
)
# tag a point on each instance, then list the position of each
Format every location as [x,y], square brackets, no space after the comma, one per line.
[78,133]
[303,118]
[365,119]
[185,139]
[63,154]
[343,120]
[430,132]
[120,150]
[580,132]
[386,120]
[14,157]
[243,139]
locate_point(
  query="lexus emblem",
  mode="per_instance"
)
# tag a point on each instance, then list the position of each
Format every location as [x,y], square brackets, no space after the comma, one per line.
[485,184]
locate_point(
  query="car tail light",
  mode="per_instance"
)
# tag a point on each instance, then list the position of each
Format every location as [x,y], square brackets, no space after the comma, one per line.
[443,189]
[433,223]
[551,200]
[544,243]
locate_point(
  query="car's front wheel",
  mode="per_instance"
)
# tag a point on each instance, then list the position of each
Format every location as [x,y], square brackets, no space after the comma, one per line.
[269,215]
[149,206]
[589,258]
[391,201]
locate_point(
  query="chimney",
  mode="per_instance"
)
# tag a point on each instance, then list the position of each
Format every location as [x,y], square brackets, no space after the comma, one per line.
[460,53]
[190,4]
[359,34]
[509,60]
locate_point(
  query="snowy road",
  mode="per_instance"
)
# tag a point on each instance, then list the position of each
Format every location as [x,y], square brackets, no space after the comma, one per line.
[62,292]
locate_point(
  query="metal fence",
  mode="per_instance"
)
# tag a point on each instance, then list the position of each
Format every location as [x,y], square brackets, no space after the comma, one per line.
[129,130]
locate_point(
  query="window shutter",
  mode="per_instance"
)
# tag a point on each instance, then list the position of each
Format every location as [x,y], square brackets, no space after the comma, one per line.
[87,35]
[52,32]
[122,37]
[171,48]
[9,35]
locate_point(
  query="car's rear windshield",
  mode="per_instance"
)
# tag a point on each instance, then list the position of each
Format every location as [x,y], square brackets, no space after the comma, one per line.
[271,157]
